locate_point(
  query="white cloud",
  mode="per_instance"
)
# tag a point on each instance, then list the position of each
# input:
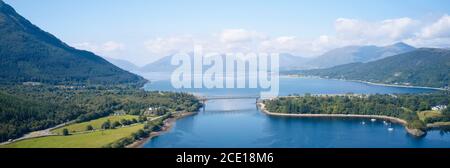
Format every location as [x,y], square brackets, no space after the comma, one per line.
[381,32]
[111,46]
[439,29]
[169,45]
[347,32]
[108,49]
[283,44]
[239,36]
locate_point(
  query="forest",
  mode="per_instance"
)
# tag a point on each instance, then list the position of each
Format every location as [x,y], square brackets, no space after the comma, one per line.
[24,109]
[403,106]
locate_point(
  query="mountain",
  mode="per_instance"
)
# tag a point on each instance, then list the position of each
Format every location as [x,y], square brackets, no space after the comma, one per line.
[124,64]
[291,62]
[352,54]
[161,65]
[422,67]
[287,62]
[28,53]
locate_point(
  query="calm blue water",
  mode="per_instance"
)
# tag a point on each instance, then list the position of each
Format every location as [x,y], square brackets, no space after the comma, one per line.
[238,123]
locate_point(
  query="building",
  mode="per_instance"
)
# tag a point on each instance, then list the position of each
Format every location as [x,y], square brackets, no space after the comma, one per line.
[439,108]
[120,113]
[154,111]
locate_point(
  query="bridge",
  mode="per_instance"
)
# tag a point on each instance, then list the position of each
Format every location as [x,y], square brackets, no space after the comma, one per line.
[206,98]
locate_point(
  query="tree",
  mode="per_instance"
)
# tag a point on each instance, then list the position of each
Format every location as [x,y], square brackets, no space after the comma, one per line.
[417,124]
[89,128]
[106,125]
[141,134]
[142,118]
[424,106]
[446,111]
[125,122]
[116,124]
[65,132]
[134,121]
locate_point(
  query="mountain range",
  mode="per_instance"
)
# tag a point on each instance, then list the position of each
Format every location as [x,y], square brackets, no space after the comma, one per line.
[422,67]
[352,54]
[29,54]
[287,62]
[331,58]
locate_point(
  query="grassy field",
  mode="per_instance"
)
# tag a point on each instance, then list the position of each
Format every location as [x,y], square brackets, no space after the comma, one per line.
[428,114]
[81,127]
[96,139]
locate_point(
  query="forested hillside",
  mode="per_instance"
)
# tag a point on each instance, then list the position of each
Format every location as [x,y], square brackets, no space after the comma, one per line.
[423,67]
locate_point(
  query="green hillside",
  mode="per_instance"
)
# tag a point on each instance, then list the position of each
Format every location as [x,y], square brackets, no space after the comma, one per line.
[28,53]
[423,67]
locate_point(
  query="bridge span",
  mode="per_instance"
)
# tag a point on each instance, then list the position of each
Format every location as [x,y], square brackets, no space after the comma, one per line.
[206,98]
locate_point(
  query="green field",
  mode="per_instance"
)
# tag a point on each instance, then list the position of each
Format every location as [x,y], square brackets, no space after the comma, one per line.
[428,114]
[81,127]
[96,139]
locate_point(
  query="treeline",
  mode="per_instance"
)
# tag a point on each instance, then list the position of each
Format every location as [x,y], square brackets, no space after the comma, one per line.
[29,108]
[403,106]
[149,127]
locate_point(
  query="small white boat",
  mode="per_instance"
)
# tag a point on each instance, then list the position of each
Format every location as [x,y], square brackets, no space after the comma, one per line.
[363,123]
[390,129]
[373,120]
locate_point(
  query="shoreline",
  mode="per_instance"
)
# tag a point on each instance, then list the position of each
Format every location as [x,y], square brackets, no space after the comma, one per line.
[413,132]
[371,83]
[168,124]
[381,117]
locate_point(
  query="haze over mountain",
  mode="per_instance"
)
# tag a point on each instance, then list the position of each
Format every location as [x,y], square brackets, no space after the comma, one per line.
[124,64]
[161,65]
[28,53]
[352,54]
[287,62]
[331,58]
[422,67]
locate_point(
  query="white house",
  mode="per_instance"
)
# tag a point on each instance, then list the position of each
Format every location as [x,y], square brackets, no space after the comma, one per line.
[439,107]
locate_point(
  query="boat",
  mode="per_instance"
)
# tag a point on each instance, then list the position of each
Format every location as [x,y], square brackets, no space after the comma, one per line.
[390,129]
[363,123]
[373,120]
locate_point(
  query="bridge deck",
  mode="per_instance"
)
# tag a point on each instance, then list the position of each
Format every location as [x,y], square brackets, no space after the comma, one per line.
[228,97]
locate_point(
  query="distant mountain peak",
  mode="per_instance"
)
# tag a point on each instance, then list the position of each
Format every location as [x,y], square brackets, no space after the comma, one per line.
[351,54]
[402,45]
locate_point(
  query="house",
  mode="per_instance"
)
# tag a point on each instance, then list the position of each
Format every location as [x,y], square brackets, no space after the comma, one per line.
[439,108]
[154,111]
[32,83]
[119,113]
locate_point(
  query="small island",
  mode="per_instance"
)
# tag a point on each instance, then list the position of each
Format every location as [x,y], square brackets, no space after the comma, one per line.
[417,112]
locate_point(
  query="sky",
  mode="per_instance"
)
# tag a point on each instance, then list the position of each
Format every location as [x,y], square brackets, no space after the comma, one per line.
[142,31]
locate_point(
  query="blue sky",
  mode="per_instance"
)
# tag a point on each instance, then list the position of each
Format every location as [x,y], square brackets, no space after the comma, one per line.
[132,24]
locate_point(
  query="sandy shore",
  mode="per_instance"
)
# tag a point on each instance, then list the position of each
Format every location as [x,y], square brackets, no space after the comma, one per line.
[168,124]
[438,125]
